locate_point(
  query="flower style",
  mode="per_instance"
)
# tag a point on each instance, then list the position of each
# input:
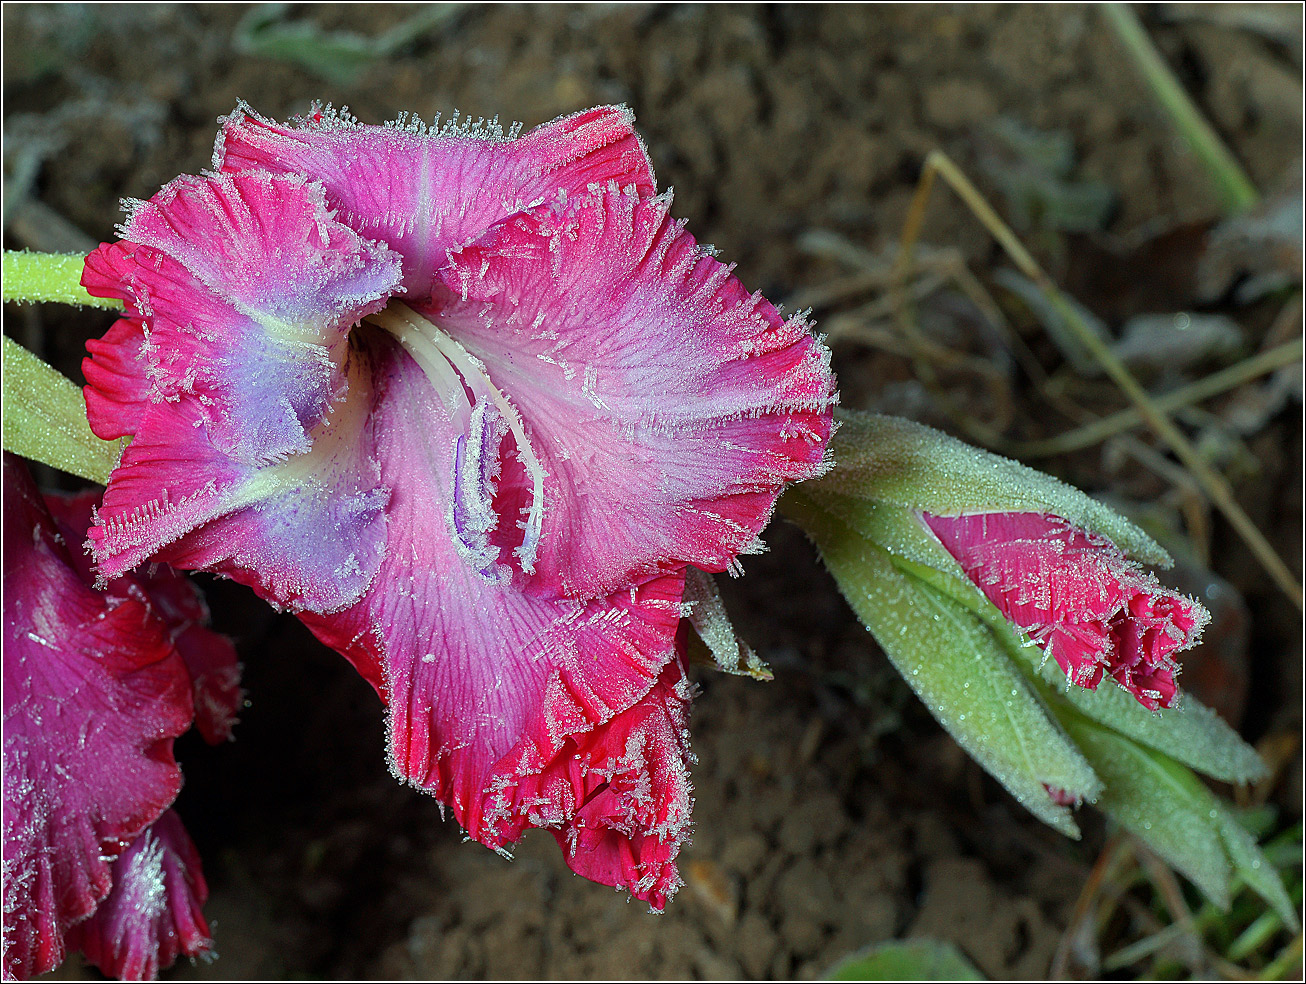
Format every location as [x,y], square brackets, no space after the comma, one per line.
[1089,607]
[95,690]
[469,405]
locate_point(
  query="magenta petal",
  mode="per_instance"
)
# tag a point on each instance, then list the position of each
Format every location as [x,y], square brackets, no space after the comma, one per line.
[247,459]
[246,289]
[667,404]
[153,914]
[493,697]
[1076,594]
[118,391]
[424,190]
[485,683]
[618,797]
[94,694]
[210,657]
[169,481]
[308,534]
[214,670]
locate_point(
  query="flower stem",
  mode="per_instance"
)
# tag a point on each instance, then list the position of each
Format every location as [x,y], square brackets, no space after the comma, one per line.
[1236,191]
[31,277]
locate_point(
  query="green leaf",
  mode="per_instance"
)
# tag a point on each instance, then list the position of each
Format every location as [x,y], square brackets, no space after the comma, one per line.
[899,462]
[1034,169]
[1166,806]
[1191,732]
[1253,866]
[337,56]
[45,418]
[907,960]
[957,667]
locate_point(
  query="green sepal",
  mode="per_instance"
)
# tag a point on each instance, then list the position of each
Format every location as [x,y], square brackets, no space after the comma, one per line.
[898,529]
[957,667]
[899,462]
[45,419]
[1190,732]
[1166,806]
[714,640]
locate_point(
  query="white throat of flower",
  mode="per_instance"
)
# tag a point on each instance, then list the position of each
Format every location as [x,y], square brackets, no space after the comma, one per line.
[454,373]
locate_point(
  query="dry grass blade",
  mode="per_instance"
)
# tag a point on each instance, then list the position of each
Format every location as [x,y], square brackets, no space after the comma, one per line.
[1082,927]
[1187,939]
[1213,484]
[1214,384]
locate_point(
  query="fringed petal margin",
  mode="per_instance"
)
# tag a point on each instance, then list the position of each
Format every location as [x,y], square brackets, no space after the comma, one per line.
[617,797]
[154,914]
[423,190]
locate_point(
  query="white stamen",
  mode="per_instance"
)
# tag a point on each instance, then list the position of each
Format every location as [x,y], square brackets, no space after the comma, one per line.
[450,367]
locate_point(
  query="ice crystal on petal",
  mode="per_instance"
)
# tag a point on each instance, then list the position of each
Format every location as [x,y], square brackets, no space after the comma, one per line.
[153,914]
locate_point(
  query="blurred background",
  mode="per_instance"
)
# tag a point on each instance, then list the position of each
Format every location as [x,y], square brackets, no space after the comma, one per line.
[832,812]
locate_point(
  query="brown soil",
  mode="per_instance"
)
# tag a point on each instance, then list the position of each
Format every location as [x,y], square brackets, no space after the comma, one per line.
[831,811]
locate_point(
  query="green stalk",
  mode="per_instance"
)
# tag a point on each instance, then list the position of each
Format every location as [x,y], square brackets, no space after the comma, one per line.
[1236,191]
[31,277]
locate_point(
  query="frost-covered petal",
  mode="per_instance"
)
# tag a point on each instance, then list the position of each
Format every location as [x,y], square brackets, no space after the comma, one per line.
[210,657]
[424,190]
[245,289]
[94,694]
[309,532]
[245,459]
[1090,608]
[212,663]
[618,797]
[484,682]
[119,391]
[154,912]
[666,403]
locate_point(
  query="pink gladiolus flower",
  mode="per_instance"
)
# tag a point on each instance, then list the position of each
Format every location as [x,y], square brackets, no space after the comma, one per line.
[468,404]
[95,691]
[1076,595]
